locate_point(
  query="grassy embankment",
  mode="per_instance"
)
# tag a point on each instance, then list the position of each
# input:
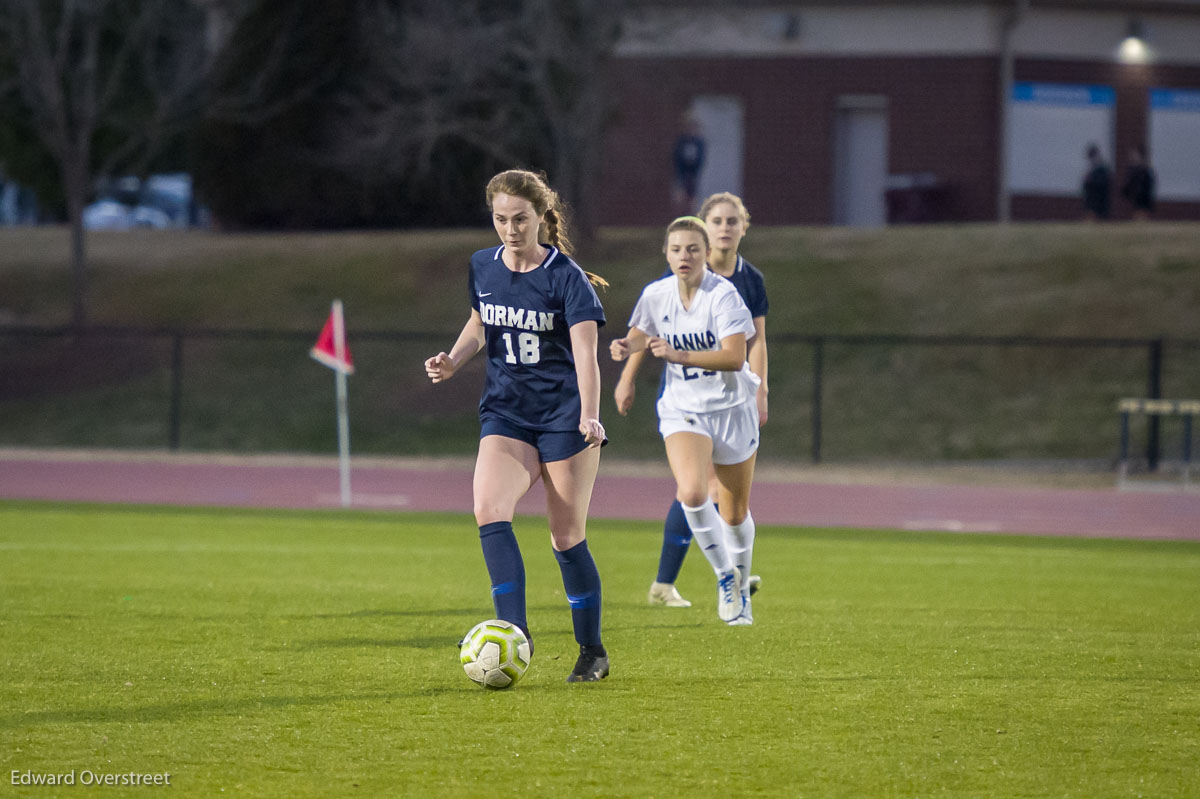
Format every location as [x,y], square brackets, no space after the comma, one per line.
[880,402]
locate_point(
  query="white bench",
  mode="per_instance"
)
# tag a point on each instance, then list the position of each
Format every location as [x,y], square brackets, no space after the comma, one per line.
[1186,409]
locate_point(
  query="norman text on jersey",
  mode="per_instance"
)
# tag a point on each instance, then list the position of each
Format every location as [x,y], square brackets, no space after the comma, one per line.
[519,318]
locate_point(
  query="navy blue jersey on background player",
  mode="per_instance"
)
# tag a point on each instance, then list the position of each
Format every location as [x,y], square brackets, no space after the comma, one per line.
[527,318]
[750,284]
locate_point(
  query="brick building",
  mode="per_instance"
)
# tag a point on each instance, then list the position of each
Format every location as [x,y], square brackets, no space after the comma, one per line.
[866,112]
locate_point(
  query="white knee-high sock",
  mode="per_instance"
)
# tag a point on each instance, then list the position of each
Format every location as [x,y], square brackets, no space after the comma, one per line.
[708,529]
[741,546]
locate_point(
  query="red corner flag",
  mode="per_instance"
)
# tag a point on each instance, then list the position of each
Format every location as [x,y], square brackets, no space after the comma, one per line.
[331,348]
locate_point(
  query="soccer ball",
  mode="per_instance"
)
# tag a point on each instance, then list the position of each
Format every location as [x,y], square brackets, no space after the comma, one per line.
[495,654]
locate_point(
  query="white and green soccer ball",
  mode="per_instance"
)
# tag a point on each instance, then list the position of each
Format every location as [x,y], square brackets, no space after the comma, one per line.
[495,654]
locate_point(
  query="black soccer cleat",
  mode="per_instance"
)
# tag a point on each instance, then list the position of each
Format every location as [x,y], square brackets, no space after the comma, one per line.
[592,665]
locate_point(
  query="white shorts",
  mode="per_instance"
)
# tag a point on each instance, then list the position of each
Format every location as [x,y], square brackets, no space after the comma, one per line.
[734,431]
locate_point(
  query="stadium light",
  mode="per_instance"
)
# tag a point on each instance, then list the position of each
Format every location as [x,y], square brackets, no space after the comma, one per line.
[1133,48]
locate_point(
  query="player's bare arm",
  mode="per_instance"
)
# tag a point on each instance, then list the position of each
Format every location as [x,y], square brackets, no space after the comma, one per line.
[626,388]
[442,366]
[584,336]
[729,358]
[634,342]
[758,364]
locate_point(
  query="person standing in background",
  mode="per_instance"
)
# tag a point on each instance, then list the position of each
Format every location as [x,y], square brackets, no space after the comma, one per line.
[1138,187]
[687,159]
[1096,185]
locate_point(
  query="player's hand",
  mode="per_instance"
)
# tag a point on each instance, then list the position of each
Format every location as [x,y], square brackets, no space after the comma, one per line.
[661,348]
[761,399]
[439,368]
[624,394]
[619,349]
[593,432]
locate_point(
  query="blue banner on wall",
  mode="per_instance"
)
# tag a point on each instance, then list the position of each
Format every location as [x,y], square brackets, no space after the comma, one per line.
[1063,94]
[1175,99]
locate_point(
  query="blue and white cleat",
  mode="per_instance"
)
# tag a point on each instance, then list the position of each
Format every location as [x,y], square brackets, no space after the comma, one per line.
[730,602]
[746,618]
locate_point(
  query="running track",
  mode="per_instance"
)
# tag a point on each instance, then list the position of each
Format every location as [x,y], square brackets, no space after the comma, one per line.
[622,491]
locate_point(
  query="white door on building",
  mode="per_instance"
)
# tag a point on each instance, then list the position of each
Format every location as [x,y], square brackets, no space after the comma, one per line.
[721,125]
[860,161]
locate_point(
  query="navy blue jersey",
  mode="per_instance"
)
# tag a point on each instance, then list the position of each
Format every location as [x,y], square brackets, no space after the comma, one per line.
[527,319]
[749,283]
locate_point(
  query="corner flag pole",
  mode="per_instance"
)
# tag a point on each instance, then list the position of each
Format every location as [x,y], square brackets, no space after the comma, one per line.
[332,351]
[343,413]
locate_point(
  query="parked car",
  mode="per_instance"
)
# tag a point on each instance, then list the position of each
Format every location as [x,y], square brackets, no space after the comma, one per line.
[158,202]
[108,214]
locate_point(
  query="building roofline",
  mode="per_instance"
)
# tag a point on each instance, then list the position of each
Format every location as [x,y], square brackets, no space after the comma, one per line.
[1130,6]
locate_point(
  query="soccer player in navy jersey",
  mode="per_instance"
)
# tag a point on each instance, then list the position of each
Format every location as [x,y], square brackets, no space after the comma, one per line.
[536,313]
[698,324]
[727,220]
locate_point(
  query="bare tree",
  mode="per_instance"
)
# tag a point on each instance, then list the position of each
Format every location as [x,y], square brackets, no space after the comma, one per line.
[562,48]
[427,83]
[518,82]
[106,83]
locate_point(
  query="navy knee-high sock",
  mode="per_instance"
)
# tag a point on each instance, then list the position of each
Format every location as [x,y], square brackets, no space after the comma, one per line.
[581,580]
[506,570]
[677,537]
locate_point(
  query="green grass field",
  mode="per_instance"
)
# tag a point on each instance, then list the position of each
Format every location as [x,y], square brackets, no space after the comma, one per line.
[313,654]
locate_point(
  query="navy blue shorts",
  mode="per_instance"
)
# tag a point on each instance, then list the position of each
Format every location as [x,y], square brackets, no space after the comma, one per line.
[551,446]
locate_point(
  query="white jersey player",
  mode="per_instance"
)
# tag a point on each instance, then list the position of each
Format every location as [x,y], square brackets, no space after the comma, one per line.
[715,312]
[698,324]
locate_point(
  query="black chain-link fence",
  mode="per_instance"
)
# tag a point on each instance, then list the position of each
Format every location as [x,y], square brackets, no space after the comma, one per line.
[838,398]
